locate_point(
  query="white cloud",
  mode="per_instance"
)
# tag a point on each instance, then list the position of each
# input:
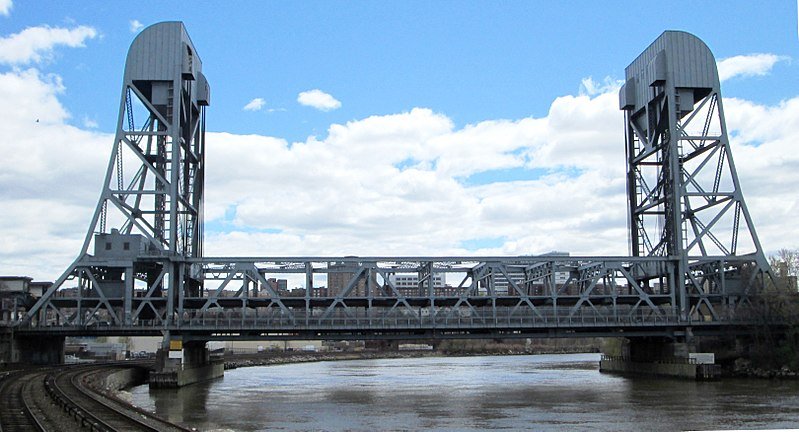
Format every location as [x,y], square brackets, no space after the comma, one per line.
[49,176]
[36,44]
[747,65]
[763,140]
[395,184]
[5,7]
[89,123]
[399,184]
[254,105]
[590,87]
[35,98]
[135,26]
[318,99]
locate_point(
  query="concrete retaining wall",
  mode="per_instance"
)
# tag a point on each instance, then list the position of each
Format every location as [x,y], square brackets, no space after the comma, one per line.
[182,377]
[670,369]
[124,378]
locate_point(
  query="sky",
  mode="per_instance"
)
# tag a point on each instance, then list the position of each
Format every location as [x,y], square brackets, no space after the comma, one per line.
[386,128]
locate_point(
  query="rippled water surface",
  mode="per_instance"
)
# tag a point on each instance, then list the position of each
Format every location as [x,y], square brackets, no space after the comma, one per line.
[537,392]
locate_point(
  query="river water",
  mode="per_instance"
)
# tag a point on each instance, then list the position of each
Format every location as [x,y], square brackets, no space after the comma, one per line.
[535,392]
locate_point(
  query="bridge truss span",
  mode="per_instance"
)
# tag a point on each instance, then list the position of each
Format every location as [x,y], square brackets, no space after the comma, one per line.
[695,263]
[411,297]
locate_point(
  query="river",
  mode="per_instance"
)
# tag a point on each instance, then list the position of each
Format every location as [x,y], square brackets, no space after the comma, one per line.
[531,392]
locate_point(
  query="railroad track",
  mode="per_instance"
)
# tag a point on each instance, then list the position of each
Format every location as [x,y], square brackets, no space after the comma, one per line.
[18,412]
[96,412]
[49,400]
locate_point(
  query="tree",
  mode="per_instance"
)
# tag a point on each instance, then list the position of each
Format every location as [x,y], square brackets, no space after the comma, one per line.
[785,264]
[776,340]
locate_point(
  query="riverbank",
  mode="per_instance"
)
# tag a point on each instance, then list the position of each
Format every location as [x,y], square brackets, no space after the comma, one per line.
[739,369]
[234,361]
[743,368]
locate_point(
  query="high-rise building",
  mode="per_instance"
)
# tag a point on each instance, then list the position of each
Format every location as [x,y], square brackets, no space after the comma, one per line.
[408,283]
[339,276]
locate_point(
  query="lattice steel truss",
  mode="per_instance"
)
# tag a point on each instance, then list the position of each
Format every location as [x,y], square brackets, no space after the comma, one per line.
[684,196]
[152,198]
[689,227]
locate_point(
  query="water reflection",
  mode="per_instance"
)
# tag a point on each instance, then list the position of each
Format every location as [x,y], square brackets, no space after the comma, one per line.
[548,392]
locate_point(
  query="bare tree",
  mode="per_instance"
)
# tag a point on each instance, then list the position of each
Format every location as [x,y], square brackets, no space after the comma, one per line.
[776,340]
[786,265]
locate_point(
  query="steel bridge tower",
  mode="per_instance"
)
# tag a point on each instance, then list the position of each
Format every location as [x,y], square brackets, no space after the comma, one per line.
[685,200]
[149,220]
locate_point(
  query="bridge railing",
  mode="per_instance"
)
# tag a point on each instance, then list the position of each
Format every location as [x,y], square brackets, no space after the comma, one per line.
[501,319]
[472,322]
[273,318]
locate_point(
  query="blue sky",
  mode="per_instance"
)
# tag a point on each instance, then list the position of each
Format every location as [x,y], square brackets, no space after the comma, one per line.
[451,127]
[470,60]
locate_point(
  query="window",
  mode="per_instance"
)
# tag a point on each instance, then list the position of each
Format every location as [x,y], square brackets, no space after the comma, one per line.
[108,246]
[126,246]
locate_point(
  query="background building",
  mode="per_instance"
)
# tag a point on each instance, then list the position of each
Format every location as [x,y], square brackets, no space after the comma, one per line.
[408,284]
[339,276]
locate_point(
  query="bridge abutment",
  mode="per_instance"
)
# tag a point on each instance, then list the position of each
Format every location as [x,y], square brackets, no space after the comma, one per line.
[661,357]
[39,350]
[179,364]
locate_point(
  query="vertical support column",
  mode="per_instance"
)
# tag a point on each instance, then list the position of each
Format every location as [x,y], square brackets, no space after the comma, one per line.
[308,291]
[168,286]
[128,302]
[79,310]
[663,357]
[180,363]
[175,127]
[672,175]
[369,290]
[181,298]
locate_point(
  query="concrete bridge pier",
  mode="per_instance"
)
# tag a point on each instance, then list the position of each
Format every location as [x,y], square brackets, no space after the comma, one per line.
[179,364]
[661,356]
[38,350]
